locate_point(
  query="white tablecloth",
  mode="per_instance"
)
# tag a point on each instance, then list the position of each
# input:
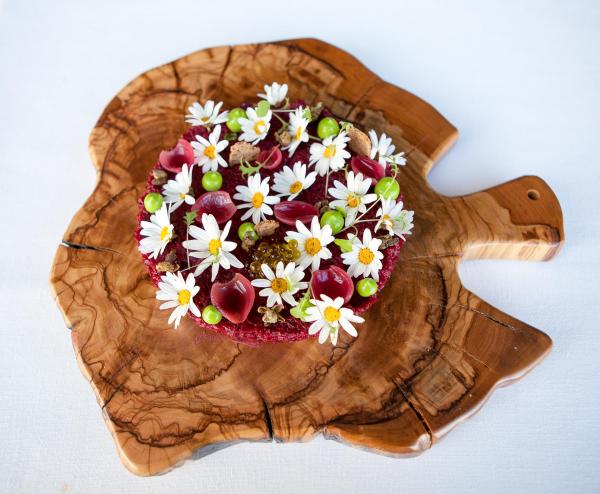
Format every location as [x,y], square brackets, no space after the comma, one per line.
[519,79]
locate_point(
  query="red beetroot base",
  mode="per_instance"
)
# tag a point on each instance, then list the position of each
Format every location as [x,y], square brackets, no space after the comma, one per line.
[253,331]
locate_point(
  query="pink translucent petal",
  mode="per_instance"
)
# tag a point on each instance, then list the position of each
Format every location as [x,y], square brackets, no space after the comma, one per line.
[180,154]
[271,158]
[369,168]
[217,203]
[333,282]
[287,212]
[233,298]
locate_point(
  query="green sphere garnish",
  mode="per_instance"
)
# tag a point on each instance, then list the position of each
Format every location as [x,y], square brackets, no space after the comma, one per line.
[334,219]
[245,228]
[327,127]
[211,315]
[232,120]
[388,188]
[212,181]
[153,202]
[366,287]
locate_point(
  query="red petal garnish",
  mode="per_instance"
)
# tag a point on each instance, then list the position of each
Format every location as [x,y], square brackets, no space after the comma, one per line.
[333,282]
[217,203]
[234,298]
[180,154]
[369,168]
[287,212]
[271,158]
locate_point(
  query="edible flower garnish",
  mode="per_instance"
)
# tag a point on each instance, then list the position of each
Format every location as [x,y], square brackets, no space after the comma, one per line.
[327,315]
[281,285]
[297,130]
[275,93]
[255,128]
[311,243]
[255,196]
[207,114]
[179,295]
[352,197]
[290,182]
[158,232]
[208,151]
[211,245]
[330,154]
[394,219]
[177,191]
[364,259]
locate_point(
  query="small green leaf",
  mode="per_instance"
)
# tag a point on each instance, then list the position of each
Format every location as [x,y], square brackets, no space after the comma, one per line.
[306,114]
[344,245]
[345,125]
[230,136]
[247,169]
[190,216]
[300,310]
[262,108]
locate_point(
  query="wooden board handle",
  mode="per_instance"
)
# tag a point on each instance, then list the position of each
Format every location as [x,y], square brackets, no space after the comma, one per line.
[520,219]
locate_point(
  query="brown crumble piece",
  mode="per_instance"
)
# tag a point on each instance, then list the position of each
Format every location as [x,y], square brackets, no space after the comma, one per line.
[266,228]
[271,315]
[243,151]
[167,267]
[159,177]
[360,142]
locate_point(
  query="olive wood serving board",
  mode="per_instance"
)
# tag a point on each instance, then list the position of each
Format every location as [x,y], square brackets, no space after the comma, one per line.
[430,352]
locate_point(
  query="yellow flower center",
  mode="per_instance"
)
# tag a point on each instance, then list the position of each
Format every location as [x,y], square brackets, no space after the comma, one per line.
[210,152]
[257,200]
[279,285]
[386,217]
[312,246]
[205,119]
[213,246]
[331,314]
[330,151]
[352,201]
[299,133]
[365,256]
[258,127]
[164,233]
[184,297]
[296,187]
[181,195]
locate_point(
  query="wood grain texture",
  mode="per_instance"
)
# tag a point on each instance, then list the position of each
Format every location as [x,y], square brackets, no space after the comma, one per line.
[429,353]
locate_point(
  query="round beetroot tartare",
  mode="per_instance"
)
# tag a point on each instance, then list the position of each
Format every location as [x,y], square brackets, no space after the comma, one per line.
[273,221]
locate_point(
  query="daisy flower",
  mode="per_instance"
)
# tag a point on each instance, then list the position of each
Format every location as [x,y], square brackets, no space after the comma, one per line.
[256,197]
[274,94]
[158,232]
[327,315]
[254,128]
[282,284]
[179,295]
[330,154]
[211,245]
[394,219]
[364,259]
[311,243]
[207,150]
[383,148]
[352,197]
[177,191]
[207,114]
[297,130]
[290,182]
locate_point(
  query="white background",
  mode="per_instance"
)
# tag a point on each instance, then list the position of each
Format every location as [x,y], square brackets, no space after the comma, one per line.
[521,80]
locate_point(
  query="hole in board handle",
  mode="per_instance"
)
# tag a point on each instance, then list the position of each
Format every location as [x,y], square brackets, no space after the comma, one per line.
[533,194]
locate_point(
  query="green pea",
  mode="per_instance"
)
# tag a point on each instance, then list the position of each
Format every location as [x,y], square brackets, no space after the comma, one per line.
[327,127]
[211,315]
[212,181]
[153,202]
[366,287]
[388,188]
[232,120]
[246,228]
[334,219]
